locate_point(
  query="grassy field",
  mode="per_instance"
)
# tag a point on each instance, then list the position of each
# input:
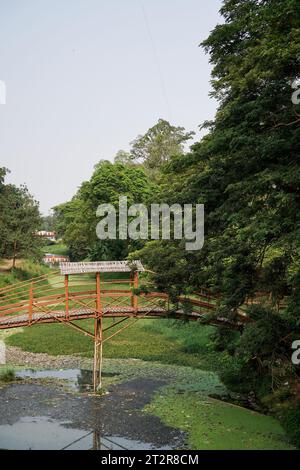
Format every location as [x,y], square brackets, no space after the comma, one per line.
[149,340]
[56,249]
[24,270]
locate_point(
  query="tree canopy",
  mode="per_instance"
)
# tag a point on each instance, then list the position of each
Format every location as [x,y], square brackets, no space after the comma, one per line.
[77,220]
[159,144]
[20,218]
[246,171]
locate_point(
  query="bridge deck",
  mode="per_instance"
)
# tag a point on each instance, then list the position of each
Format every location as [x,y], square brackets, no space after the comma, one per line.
[22,320]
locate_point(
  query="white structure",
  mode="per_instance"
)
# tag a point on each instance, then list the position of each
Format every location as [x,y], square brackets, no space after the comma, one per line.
[2,353]
[101,267]
[45,234]
[53,260]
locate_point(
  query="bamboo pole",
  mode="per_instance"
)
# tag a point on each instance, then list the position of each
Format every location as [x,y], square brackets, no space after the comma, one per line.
[135,286]
[30,303]
[67,294]
[98,338]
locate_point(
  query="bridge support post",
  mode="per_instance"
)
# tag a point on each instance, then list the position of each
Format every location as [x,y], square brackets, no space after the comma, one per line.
[134,298]
[98,332]
[97,382]
[30,303]
[67,294]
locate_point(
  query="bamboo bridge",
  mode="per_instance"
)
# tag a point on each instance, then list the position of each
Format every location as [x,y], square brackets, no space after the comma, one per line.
[88,290]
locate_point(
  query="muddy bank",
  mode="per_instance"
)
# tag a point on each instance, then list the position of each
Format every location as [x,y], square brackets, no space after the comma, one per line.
[17,357]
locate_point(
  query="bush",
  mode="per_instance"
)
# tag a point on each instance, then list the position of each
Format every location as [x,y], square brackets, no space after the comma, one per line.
[28,270]
[7,375]
[290,421]
[225,339]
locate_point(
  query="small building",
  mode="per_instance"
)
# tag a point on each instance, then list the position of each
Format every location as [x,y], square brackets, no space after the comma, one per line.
[54,260]
[46,235]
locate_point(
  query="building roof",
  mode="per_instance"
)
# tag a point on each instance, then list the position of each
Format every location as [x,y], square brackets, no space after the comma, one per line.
[101,267]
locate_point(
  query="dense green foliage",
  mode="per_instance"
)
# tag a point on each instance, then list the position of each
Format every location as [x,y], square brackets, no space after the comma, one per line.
[246,171]
[158,145]
[27,270]
[19,220]
[7,375]
[77,220]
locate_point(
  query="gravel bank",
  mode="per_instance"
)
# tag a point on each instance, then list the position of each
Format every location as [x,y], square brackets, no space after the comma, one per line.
[17,357]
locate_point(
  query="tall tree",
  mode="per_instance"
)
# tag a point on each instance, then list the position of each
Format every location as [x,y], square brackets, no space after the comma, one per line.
[159,144]
[246,171]
[125,158]
[77,220]
[20,218]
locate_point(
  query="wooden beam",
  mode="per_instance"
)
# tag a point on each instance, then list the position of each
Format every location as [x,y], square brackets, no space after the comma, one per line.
[98,337]
[134,298]
[98,294]
[67,294]
[97,376]
[30,309]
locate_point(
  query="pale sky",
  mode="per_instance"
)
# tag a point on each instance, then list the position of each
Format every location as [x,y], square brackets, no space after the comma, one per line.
[85,77]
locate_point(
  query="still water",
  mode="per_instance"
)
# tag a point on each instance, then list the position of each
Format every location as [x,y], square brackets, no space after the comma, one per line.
[42,432]
[45,432]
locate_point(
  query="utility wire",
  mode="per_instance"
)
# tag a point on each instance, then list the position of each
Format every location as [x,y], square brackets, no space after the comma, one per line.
[156,59]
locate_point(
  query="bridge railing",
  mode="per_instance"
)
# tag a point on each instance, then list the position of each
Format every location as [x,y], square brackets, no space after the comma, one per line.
[53,297]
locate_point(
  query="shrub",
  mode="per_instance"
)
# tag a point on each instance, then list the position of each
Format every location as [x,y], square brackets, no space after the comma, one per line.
[7,375]
[290,421]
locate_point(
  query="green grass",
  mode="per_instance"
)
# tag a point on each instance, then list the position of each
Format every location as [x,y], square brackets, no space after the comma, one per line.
[7,375]
[56,249]
[24,272]
[27,270]
[215,425]
[149,340]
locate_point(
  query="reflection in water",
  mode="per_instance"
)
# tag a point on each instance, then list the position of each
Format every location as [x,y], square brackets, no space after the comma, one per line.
[79,379]
[44,433]
[38,432]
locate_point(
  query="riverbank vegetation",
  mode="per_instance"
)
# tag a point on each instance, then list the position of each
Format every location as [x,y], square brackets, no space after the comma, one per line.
[186,357]
[246,172]
[24,270]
